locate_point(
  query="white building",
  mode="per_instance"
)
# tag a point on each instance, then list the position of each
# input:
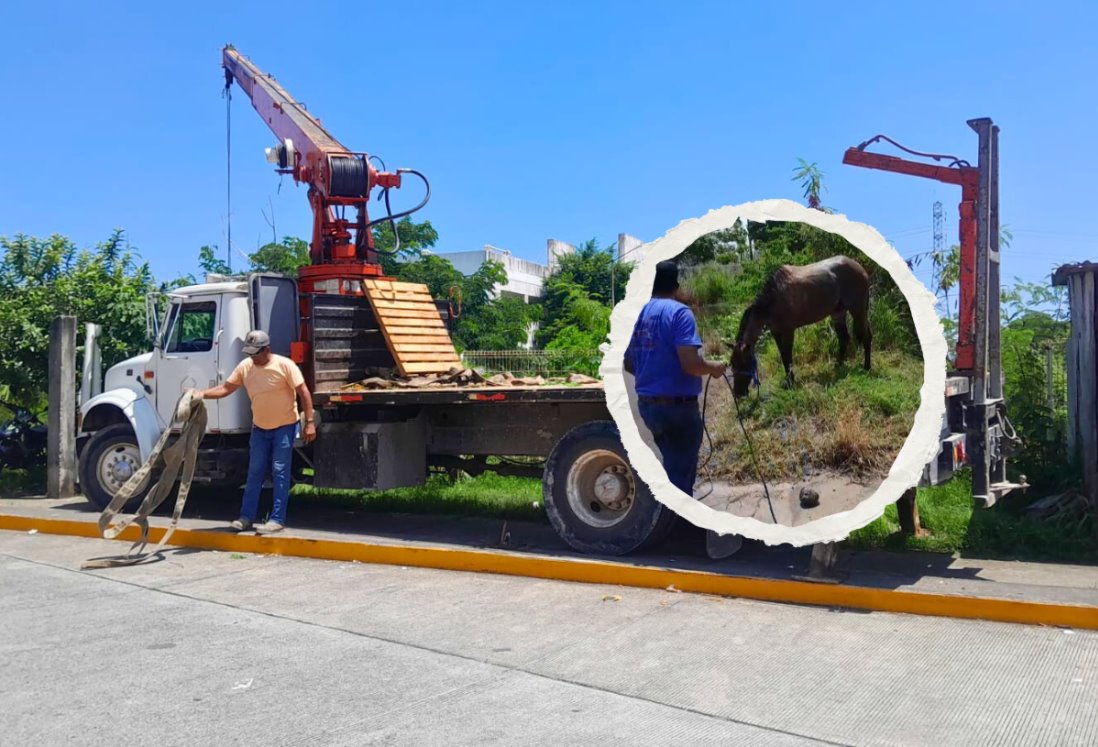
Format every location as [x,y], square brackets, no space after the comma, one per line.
[629,248]
[526,278]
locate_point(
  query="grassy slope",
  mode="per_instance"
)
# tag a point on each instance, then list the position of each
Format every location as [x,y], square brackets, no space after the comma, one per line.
[852,421]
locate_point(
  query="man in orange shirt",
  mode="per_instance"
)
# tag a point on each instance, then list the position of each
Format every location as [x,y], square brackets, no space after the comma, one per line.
[273,383]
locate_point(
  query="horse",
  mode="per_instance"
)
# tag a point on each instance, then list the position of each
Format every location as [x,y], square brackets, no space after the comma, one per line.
[795,296]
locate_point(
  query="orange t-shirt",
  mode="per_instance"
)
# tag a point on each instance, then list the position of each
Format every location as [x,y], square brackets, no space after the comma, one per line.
[271,389]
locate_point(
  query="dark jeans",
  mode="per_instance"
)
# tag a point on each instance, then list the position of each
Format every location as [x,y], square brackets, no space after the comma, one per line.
[270,451]
[678,431]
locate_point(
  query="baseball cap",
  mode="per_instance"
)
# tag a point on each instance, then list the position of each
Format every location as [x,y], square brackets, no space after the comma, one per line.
[256,340]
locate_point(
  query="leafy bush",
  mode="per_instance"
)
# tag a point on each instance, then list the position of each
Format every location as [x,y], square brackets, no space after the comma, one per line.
[711,285]
[41,279]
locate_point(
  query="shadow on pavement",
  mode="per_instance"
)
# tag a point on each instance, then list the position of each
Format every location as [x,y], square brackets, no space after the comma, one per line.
[213,509]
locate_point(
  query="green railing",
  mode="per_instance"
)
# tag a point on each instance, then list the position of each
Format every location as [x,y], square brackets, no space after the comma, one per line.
[547,363]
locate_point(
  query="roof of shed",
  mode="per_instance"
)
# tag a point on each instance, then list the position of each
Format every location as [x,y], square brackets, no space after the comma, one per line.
[1060,276]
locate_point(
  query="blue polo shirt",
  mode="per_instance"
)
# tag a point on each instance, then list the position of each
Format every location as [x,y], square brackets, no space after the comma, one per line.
[664,324]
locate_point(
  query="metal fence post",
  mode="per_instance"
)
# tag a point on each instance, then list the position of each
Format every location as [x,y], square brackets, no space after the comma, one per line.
[61,443]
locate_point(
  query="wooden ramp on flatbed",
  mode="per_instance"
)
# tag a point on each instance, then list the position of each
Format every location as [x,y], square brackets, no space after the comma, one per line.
[412,327]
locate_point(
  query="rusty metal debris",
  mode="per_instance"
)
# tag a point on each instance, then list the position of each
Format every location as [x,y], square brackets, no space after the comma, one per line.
[466,377]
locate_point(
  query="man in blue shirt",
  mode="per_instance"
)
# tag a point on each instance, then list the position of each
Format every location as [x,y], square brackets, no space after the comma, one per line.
[664,356]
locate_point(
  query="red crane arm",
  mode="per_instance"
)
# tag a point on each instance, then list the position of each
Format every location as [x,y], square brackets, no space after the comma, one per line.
[337,177]
[312,145]
[968,178]
[962,175]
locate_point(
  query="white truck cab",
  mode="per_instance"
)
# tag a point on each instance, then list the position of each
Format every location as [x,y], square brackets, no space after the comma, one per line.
[197,342]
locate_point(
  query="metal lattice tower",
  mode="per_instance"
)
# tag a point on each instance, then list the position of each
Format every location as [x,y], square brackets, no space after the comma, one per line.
[939,229]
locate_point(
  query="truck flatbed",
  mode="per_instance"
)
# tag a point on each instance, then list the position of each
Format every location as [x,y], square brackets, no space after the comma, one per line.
[457,394]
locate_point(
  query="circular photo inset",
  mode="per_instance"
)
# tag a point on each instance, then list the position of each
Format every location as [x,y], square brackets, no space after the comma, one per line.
[776,372]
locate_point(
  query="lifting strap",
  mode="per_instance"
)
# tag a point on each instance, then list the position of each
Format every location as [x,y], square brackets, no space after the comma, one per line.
[190,412]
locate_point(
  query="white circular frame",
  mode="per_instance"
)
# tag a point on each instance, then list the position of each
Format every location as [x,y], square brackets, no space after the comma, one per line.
[922,443]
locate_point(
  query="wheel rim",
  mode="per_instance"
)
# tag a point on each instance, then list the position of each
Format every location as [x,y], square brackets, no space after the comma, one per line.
[117,465]
[600,488]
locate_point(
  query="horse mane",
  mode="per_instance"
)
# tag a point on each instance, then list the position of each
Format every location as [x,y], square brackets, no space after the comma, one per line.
[774,286]
[748,314]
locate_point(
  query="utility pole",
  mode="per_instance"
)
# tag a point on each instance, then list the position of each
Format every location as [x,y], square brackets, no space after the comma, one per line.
[61,434]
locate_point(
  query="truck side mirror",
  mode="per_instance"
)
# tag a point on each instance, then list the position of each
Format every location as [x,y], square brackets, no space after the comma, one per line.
[152,322]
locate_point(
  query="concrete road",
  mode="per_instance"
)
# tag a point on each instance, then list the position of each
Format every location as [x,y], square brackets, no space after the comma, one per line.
[215,648]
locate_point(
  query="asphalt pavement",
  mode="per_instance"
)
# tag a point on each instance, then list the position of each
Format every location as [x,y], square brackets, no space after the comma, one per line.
[223,648]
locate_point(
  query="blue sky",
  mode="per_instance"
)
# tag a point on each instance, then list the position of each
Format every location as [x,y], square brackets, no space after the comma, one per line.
[568,120]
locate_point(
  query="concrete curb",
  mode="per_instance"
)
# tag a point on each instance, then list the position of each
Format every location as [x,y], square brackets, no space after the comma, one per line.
[598,572]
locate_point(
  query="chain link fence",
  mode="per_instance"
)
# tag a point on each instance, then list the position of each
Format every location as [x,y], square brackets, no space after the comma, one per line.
[547,363]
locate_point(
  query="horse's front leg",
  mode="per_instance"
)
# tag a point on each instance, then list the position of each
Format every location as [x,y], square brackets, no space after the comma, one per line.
[785,347]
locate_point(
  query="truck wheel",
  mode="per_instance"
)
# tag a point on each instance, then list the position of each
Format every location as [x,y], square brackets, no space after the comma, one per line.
[110,457]
[594,500]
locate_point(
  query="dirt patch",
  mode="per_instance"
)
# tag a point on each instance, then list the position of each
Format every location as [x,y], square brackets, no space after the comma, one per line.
[837,493]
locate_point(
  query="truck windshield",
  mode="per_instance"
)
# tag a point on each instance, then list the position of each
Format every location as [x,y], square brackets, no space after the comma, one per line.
[193,328]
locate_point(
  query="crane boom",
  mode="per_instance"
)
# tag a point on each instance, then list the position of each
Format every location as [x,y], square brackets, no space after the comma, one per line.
[341,250]
[285,116]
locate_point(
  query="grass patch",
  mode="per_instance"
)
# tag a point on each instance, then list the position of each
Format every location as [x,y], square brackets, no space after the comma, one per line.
[1002,532]
[844,419]
[488,494]
[15,483]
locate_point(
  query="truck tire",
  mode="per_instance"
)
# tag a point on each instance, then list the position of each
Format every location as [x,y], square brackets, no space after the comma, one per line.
[109,458]
[594,499]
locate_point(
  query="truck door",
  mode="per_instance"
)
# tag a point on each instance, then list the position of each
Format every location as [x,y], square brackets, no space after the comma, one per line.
[275,310]
[188,355]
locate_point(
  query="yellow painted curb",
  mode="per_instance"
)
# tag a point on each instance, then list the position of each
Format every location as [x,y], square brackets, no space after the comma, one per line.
[599,572]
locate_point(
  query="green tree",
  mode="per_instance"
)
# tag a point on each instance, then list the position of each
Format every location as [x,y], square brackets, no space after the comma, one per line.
[285,257]
[1035,323]
[502,324]
[811,179]
[414,238]
[483,323]
[581,277]
[41,278]
[726,246]
[210,263]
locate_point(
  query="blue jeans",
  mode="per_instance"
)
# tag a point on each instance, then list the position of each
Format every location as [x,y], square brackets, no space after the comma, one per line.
[269,451]
[678,431]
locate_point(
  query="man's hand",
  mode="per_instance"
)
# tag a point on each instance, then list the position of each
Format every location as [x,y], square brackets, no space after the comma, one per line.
[219,391]
[693,364]
[308,435]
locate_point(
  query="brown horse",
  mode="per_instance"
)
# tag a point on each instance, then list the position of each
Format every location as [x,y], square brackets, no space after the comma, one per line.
[796,296]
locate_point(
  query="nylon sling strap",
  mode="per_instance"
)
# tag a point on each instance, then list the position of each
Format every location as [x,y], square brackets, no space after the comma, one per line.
[190,412]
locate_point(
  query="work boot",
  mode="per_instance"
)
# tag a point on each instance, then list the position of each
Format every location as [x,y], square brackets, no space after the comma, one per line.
[242,524]
[719,546]
[269,528]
